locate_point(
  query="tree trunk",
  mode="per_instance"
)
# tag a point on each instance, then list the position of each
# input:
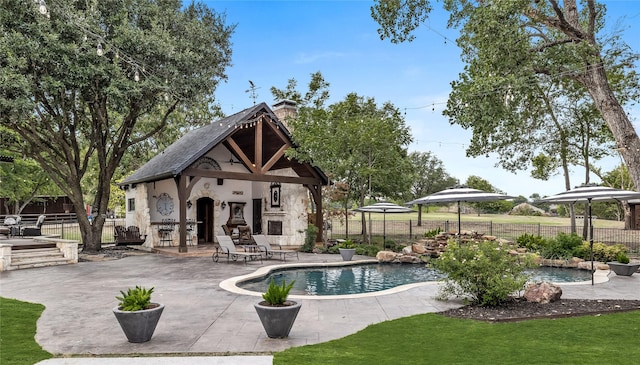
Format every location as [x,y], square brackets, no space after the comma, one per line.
[628,219]
[625,135]
[567,186]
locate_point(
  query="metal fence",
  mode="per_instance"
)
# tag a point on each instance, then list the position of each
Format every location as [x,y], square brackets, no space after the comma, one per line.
[70,230]
[402,231]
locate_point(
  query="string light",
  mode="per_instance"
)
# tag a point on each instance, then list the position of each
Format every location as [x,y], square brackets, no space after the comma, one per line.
[140,69]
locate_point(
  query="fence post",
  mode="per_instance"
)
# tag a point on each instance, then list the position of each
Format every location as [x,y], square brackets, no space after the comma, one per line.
[491,228]
[446,225]
[539,232]
[62,229]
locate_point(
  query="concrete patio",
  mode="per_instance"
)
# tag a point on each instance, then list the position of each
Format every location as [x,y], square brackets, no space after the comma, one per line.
[200,318]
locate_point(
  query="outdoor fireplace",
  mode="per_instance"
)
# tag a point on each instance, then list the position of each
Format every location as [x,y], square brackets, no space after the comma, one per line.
[274,228]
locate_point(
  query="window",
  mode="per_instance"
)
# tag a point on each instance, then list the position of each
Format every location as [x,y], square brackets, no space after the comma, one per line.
[131,203]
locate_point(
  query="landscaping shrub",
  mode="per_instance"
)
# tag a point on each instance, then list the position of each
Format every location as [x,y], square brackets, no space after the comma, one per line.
[391,245]
[367,250]
[309,238]
[563,246]
[483,273]
[531,243]
[432,233]
[601,251]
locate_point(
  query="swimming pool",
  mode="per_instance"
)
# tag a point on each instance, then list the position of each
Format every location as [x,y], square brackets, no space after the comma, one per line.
[375,277]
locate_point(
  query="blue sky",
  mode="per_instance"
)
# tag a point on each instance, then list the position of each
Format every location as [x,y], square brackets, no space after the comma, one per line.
[279,40]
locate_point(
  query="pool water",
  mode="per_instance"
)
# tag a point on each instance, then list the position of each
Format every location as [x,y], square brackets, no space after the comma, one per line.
[357,279]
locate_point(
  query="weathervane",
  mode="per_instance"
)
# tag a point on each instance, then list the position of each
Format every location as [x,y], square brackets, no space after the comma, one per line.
[252,89]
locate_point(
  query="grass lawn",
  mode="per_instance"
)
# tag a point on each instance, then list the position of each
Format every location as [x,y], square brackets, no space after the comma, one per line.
[434,339]
[17,333]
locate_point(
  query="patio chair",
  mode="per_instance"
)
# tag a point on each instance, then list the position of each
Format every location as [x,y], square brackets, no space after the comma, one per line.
[229,233]
[228,248]
[261,241]
[34,230]
[244,235]
[134,236]
[190,227]
[9,223]
[128,236]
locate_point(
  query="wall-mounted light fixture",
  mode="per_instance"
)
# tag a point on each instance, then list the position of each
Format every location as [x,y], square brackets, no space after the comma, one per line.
[223,205]
[189,204]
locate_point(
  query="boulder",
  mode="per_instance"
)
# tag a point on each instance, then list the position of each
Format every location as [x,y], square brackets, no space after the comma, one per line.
[418,248]
[586,265]
[543,292]
[407,259]
[386,256]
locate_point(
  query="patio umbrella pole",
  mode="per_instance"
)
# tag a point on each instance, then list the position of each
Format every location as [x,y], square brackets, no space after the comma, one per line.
[591,239]
[459,223]
[384,230]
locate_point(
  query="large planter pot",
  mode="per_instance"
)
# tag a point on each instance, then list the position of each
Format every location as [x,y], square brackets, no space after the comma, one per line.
[139,326]
[277,321]
[347,253]
[623,269]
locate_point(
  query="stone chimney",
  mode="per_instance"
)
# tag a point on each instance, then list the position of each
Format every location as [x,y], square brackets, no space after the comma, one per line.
[285,110]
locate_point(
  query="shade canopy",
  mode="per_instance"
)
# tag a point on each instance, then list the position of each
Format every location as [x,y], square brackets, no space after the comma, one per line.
[384,208]
[459,194]
[588,194]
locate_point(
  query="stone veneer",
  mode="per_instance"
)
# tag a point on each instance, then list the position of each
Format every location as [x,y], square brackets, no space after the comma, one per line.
[292,213]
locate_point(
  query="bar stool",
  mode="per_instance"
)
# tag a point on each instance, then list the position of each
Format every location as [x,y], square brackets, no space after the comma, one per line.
[190,226]
[166,231]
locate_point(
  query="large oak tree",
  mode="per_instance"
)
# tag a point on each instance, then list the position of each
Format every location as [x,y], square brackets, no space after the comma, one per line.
[83,81]
[509,45]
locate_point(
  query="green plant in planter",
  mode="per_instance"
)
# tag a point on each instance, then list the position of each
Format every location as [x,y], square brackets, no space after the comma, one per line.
[622,258]
[135,299]
[276,295]
[348,244]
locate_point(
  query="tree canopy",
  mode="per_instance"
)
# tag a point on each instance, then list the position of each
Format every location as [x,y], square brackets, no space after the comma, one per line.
[430,175]
[513,47]
[82,82]
[359,143]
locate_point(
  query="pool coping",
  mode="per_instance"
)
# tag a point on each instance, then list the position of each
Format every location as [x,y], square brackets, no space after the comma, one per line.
[599,276]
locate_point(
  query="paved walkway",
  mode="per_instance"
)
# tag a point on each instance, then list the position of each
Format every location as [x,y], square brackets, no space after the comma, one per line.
[201,319]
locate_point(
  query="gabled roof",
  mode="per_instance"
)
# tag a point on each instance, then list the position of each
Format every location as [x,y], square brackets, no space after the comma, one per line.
[198,142]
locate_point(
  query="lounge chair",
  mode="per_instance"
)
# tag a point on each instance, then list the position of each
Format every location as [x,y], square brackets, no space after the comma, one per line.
[228,248]
[261,241]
